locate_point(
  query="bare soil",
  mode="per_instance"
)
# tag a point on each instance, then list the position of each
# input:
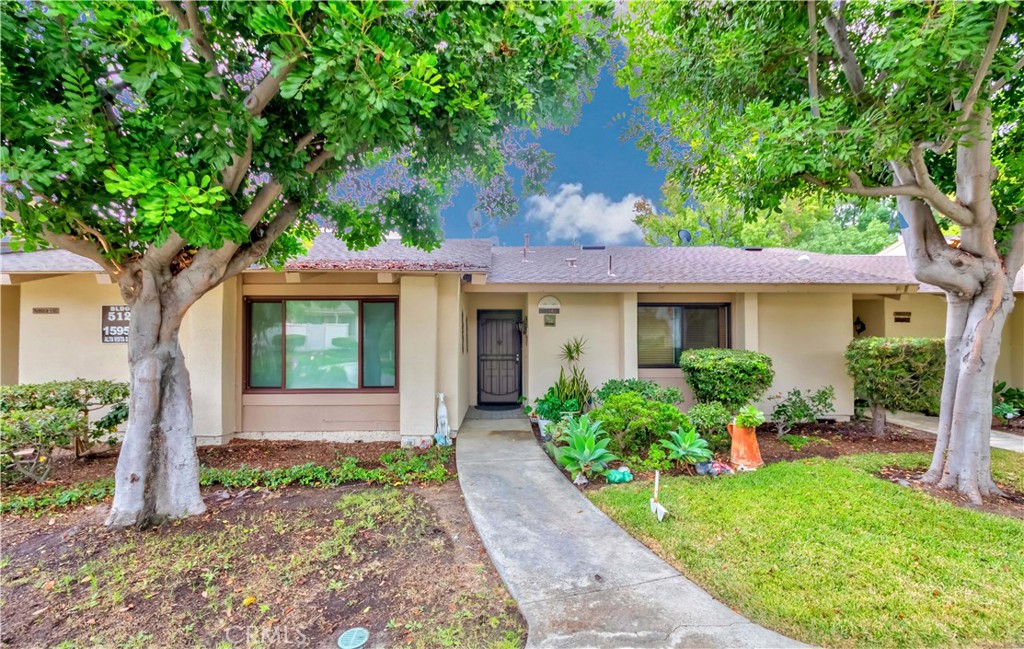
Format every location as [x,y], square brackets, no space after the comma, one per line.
[293,567]
[1014,426]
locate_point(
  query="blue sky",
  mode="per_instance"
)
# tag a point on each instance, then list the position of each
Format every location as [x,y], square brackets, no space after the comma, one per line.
[590,195]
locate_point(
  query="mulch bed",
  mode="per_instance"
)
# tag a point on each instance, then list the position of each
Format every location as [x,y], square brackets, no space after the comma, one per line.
[1011,505]
[833,439]
[255,454]
[1014,426]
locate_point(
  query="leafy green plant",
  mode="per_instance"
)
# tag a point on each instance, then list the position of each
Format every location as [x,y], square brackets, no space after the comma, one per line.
[574,384]
[29,437]
[648,389]
[1001,393]
[549,406]
[897,374]
[572,349]
[1005,411]
[796,442]
[749,417]
[798,407]
[711,421]
[732,377]
[397,467]
[686,446]
[586,449]
[635,422]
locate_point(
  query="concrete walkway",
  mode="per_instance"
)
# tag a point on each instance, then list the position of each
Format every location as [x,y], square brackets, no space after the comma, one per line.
[579,579]
[926,424]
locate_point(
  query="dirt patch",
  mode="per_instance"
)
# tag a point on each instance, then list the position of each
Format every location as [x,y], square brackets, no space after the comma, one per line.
[293,567]
[1012,504]
[833,439]
[255,454]
[1014,426]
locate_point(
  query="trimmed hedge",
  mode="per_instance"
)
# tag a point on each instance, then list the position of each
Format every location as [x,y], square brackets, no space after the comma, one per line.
[647,389]
[898,373]
[635,422]
[732,377]
[28,437]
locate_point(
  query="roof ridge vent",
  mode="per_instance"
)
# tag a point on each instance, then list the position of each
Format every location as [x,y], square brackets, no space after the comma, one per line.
[610,273]
[804,258]
[594,247]
[753,248]
[571,261]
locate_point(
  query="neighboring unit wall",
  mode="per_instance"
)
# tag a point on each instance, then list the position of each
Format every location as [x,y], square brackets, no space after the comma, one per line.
[1010,367]
[10,316]
[67,345]
[806,335]
[871,312]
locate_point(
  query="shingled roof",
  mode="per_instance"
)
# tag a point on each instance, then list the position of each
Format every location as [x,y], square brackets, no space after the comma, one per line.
[457,255]
[568,264]
[690,265]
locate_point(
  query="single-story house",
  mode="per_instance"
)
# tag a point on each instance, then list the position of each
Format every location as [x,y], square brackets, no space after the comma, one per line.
[354,345]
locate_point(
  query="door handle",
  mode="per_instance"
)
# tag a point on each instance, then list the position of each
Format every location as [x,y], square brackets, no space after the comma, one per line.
[517,358]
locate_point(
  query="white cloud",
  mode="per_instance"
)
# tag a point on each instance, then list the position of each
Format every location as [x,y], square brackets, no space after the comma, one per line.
[571,214]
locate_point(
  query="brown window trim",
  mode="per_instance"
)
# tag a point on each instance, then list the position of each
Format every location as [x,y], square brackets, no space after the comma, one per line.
[247,343]
[724,325]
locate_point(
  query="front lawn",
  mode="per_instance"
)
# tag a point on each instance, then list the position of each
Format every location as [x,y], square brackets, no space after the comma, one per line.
[828,553]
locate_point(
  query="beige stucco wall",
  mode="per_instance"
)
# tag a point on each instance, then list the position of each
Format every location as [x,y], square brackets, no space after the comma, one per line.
[871,312]
[1010,367]
[450,357]
[598,318]
[10,314]
[806,336]
[418,357]
[66,345]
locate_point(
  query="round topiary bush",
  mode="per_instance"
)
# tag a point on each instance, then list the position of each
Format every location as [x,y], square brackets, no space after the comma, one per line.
[733,377]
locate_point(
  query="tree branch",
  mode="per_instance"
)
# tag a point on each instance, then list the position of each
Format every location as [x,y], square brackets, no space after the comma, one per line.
[856,188]
[247,255]
[812,58]
[266,90]
[174,10]
[77,245]
[233,176]
[1014,259]
[199,34]
[933,194]
[835,25]
[967,108]
[998,85]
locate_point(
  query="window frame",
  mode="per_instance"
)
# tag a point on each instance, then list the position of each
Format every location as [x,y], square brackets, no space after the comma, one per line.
[247,303]
[726,328]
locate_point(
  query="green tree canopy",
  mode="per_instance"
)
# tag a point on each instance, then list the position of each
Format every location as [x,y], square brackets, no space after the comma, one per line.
[176,143]
[921,101]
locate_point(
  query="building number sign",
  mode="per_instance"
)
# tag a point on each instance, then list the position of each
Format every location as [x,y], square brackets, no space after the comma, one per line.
[116,319]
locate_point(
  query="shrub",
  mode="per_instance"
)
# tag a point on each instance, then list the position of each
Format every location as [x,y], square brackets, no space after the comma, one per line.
[28,438]
[897,374]
[733,377]
[586,451]
[1012,396]
[635,422]
[710,420]
[686,447]
[551,406]
[648,389]
[798,408]
[82,395]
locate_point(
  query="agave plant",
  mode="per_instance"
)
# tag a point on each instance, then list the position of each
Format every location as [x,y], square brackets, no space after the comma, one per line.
[686,446]
[586,451]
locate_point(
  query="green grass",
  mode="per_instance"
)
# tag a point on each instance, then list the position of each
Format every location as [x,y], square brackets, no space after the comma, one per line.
[827,553]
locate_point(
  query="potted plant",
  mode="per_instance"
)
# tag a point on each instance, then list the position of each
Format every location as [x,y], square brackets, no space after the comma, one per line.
[528,410]
[745,454]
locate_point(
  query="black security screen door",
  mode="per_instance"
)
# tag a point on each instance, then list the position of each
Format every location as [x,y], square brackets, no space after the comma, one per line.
[499,354]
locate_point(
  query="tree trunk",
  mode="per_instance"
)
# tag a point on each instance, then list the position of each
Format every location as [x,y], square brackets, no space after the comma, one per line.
[878,421]
[962,456]
[157,475]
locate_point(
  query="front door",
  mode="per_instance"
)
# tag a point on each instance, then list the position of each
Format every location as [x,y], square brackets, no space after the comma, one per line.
[499,354]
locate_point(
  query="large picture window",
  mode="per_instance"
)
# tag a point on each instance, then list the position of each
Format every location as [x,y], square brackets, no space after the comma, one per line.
[665,330]
[321,344]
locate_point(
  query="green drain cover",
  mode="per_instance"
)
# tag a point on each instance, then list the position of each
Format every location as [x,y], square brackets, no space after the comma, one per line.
[353,638]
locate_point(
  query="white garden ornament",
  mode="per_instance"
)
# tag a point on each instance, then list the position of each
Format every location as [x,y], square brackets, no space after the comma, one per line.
[443,434]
